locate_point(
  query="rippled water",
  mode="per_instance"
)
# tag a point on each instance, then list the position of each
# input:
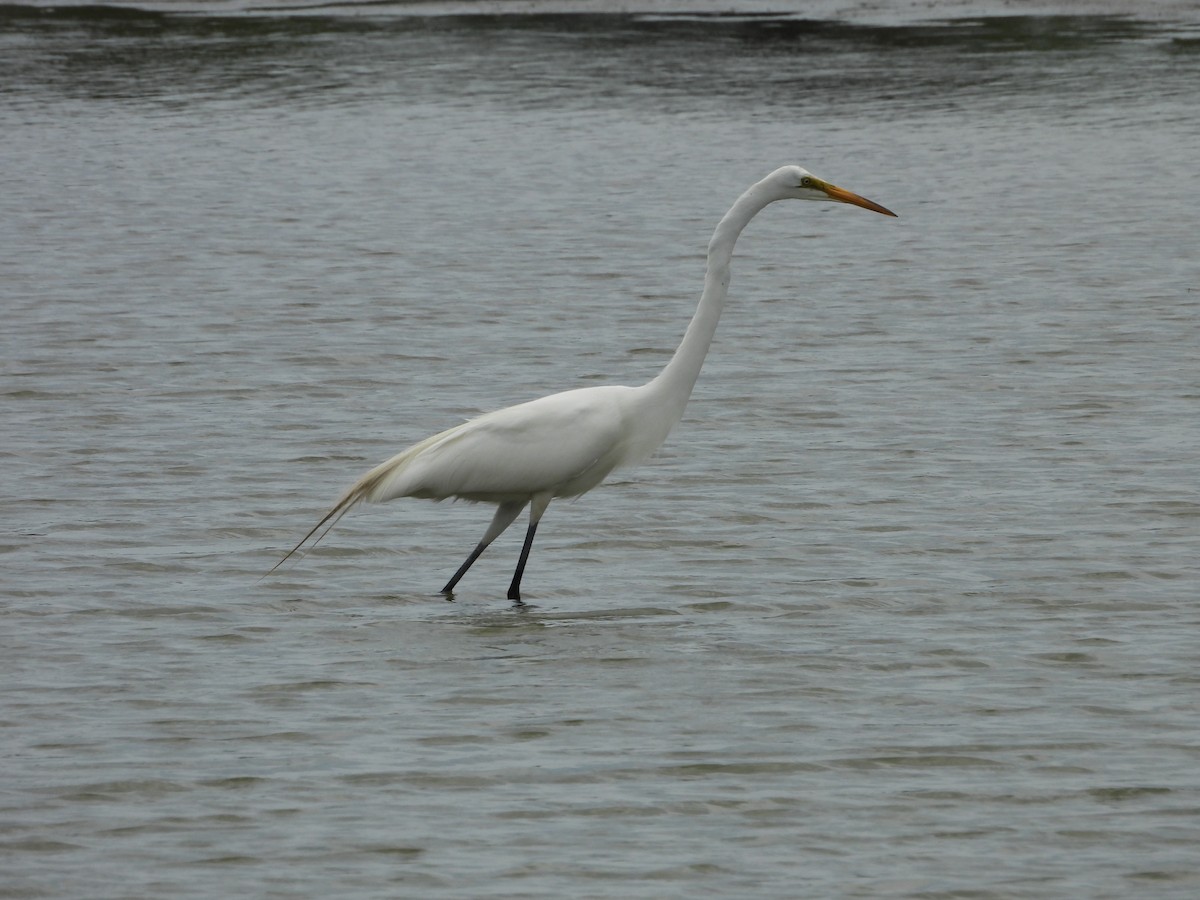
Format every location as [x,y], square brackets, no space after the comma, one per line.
[905,607]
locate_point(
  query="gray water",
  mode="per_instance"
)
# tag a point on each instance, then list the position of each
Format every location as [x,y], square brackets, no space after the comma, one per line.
[906,606]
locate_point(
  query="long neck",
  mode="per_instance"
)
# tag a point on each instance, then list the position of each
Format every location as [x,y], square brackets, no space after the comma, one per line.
[674,384]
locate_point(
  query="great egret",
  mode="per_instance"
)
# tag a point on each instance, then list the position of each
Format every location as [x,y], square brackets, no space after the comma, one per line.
[565,444]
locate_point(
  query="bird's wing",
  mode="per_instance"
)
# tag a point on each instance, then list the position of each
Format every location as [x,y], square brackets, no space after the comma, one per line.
[565,444]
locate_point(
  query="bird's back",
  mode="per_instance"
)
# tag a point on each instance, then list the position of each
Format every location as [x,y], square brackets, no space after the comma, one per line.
[564,444]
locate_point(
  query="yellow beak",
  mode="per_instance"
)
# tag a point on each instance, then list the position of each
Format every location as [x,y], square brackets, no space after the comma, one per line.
[844,196]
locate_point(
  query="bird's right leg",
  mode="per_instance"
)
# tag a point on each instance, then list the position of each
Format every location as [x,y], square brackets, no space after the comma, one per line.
[536,509]
[505,514]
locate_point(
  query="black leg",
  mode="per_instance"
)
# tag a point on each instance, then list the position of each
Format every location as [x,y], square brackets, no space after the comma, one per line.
[514,589]
[505,513]
[462,570]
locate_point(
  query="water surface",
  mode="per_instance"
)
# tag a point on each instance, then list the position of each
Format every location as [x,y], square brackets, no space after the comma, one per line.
[905,607]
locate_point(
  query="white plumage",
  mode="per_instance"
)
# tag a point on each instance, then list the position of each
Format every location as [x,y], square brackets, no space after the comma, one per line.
[565,444]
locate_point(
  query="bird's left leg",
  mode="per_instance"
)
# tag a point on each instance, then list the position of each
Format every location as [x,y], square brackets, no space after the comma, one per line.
[536,508]
[505,513]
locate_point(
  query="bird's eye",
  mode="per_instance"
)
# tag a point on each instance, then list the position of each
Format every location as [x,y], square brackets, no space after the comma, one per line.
[805,181]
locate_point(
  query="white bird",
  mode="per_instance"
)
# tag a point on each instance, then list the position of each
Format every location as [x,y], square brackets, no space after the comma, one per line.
[565,444]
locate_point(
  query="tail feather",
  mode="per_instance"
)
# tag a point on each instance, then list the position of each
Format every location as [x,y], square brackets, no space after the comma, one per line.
[369,488]
[352,497]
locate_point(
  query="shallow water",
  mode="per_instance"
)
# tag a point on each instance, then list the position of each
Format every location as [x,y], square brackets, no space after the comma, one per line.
[905,607]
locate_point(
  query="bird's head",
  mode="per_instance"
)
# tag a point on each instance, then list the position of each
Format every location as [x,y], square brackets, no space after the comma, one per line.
[795,183]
